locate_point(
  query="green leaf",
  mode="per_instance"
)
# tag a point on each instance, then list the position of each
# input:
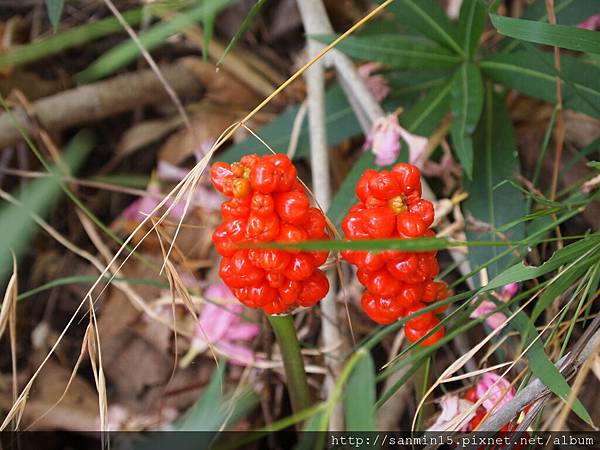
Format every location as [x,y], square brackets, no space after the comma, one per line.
[532,73]
[421,119]
[51,45]
[467,102]
[471,23]
[37,198]
[520,272]
[489,202]
[594,164]
[126,52]
[214,410]
[564,36]
[568,12]
[428,18]
[394,50]
[359,401]
[55,9]
[242,29]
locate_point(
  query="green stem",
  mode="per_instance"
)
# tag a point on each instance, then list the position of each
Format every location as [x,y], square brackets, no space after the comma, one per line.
[293,364]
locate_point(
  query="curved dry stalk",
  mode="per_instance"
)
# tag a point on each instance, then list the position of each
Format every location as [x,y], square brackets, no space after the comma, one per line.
[151,63]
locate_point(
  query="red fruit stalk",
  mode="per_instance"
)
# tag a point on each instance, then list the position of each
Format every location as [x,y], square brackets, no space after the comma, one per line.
[268,204]
[397,283]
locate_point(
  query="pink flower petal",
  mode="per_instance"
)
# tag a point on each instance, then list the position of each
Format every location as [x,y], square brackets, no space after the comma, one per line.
[140,208]
[168,172]
[242,331]
[452,407]
[238,354]
[416,147]
[377,84]
[495,395]
[591,23]
[495,320]
[213,323]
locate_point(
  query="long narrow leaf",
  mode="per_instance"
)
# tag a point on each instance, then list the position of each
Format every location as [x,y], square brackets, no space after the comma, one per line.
[563,36]
[467,102]
[491,202]
[242,29]
[359,401]
[471,23]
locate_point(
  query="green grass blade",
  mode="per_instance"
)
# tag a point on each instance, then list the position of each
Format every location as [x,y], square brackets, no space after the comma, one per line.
[128,51]
[242,29]
[55,9]
[51,45]
[39,196]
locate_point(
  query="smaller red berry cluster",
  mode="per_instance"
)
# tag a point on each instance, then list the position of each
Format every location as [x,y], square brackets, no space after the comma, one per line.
[397,283]
[471,396]
[268,204]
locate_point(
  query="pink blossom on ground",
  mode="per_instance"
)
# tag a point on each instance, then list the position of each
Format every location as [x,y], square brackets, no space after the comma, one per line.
[496,390]
[222,326]
[143,206]
[377,84]
[591,23]
[384,141]
[497,319]
[452,407]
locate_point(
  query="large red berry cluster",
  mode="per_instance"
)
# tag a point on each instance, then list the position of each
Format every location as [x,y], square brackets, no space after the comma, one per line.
[268,204]
[397,283]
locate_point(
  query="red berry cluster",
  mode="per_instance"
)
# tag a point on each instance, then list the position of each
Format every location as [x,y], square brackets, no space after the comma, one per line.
[480,414]
[268,204]
[397,283]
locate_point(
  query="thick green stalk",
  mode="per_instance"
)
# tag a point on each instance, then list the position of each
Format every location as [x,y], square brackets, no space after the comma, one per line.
[293,364]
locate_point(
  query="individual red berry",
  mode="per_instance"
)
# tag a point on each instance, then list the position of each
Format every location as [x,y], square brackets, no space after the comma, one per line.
[383,283]
[422,321]
[406,268]
[289,291]
[277,306]
[300,267]
[369,261]
[431,291]
[249,160]
[285,172]
[291,234]
[314,288]
[274,260]
[261,294]
[262,228]
[410,295]
[424,210]
[235,208]
[362,187]
[263,177]
[315,224]
[262,204]
[413,335]
[409,178]
[227,235]
[354,226]
[379,222]
[219,173]
[320,257]
[410,225]
[383,310]
[292,207]
[384,186]
[275,279]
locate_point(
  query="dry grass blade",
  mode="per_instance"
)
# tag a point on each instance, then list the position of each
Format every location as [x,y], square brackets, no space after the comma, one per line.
[8,316]
[151,63]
